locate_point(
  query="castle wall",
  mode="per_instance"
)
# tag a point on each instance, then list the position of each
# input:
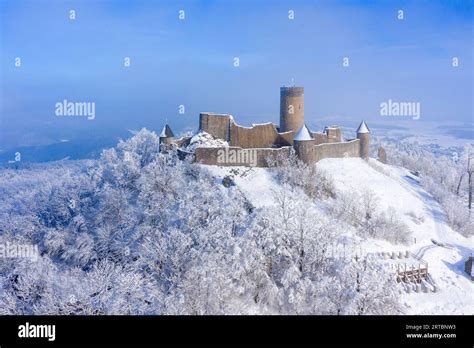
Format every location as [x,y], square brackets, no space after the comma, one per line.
[212,156]
[285,139]
[216,125]
[308,152]
[336,150]
[319,138]
[258,136]
[261,135]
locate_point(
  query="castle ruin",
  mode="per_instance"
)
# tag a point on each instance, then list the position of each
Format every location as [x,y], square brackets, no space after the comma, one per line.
[268,141]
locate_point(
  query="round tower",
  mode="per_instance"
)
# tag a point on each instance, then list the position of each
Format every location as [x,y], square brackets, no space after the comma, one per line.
[363,134]
[291,108]
[303,144]
[166,136]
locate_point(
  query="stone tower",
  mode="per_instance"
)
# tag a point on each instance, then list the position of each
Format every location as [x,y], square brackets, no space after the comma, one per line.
[303,144]
[291,108]
[363,134]
[166,135]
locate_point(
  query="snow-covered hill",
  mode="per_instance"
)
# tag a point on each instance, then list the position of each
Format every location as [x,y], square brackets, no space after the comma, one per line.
[431,238]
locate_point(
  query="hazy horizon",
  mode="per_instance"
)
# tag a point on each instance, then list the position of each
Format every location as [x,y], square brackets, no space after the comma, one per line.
[190,62]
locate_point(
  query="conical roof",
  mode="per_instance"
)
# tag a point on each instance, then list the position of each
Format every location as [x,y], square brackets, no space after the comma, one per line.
[363,128]
[166,132]
[303,134]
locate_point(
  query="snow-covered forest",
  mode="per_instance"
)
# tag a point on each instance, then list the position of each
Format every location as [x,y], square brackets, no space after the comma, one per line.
[141,232]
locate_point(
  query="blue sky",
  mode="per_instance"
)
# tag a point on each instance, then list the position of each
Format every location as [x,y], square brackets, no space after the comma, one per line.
[190,62]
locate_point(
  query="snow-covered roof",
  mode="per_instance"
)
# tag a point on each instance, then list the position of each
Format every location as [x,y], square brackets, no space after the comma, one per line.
[363,128]
[303,134]
[166,132]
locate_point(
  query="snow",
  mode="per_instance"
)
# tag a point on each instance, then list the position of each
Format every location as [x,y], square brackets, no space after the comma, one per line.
[166,132]
[429,134]
[262,124]
[256,183]
[303,134]
[163,132]
[363,128]
[253,124]
[397,188]
[203,139]
[214,248]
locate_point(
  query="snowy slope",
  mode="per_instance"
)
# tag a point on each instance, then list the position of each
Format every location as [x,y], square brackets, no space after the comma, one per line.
[398,188]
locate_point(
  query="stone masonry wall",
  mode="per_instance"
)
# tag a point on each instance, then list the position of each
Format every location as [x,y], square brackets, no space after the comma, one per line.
[258,136]
[291,108]
[210,155]
[319,137]
[285,139]
[216,125]
[336,150]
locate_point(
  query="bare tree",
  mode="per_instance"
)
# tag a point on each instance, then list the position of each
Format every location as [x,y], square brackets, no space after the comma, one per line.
[469,155]
[458,187]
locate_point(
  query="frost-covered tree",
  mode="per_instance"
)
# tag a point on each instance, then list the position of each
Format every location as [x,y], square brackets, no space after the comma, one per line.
[289,170]
[468,159]
[141,232]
